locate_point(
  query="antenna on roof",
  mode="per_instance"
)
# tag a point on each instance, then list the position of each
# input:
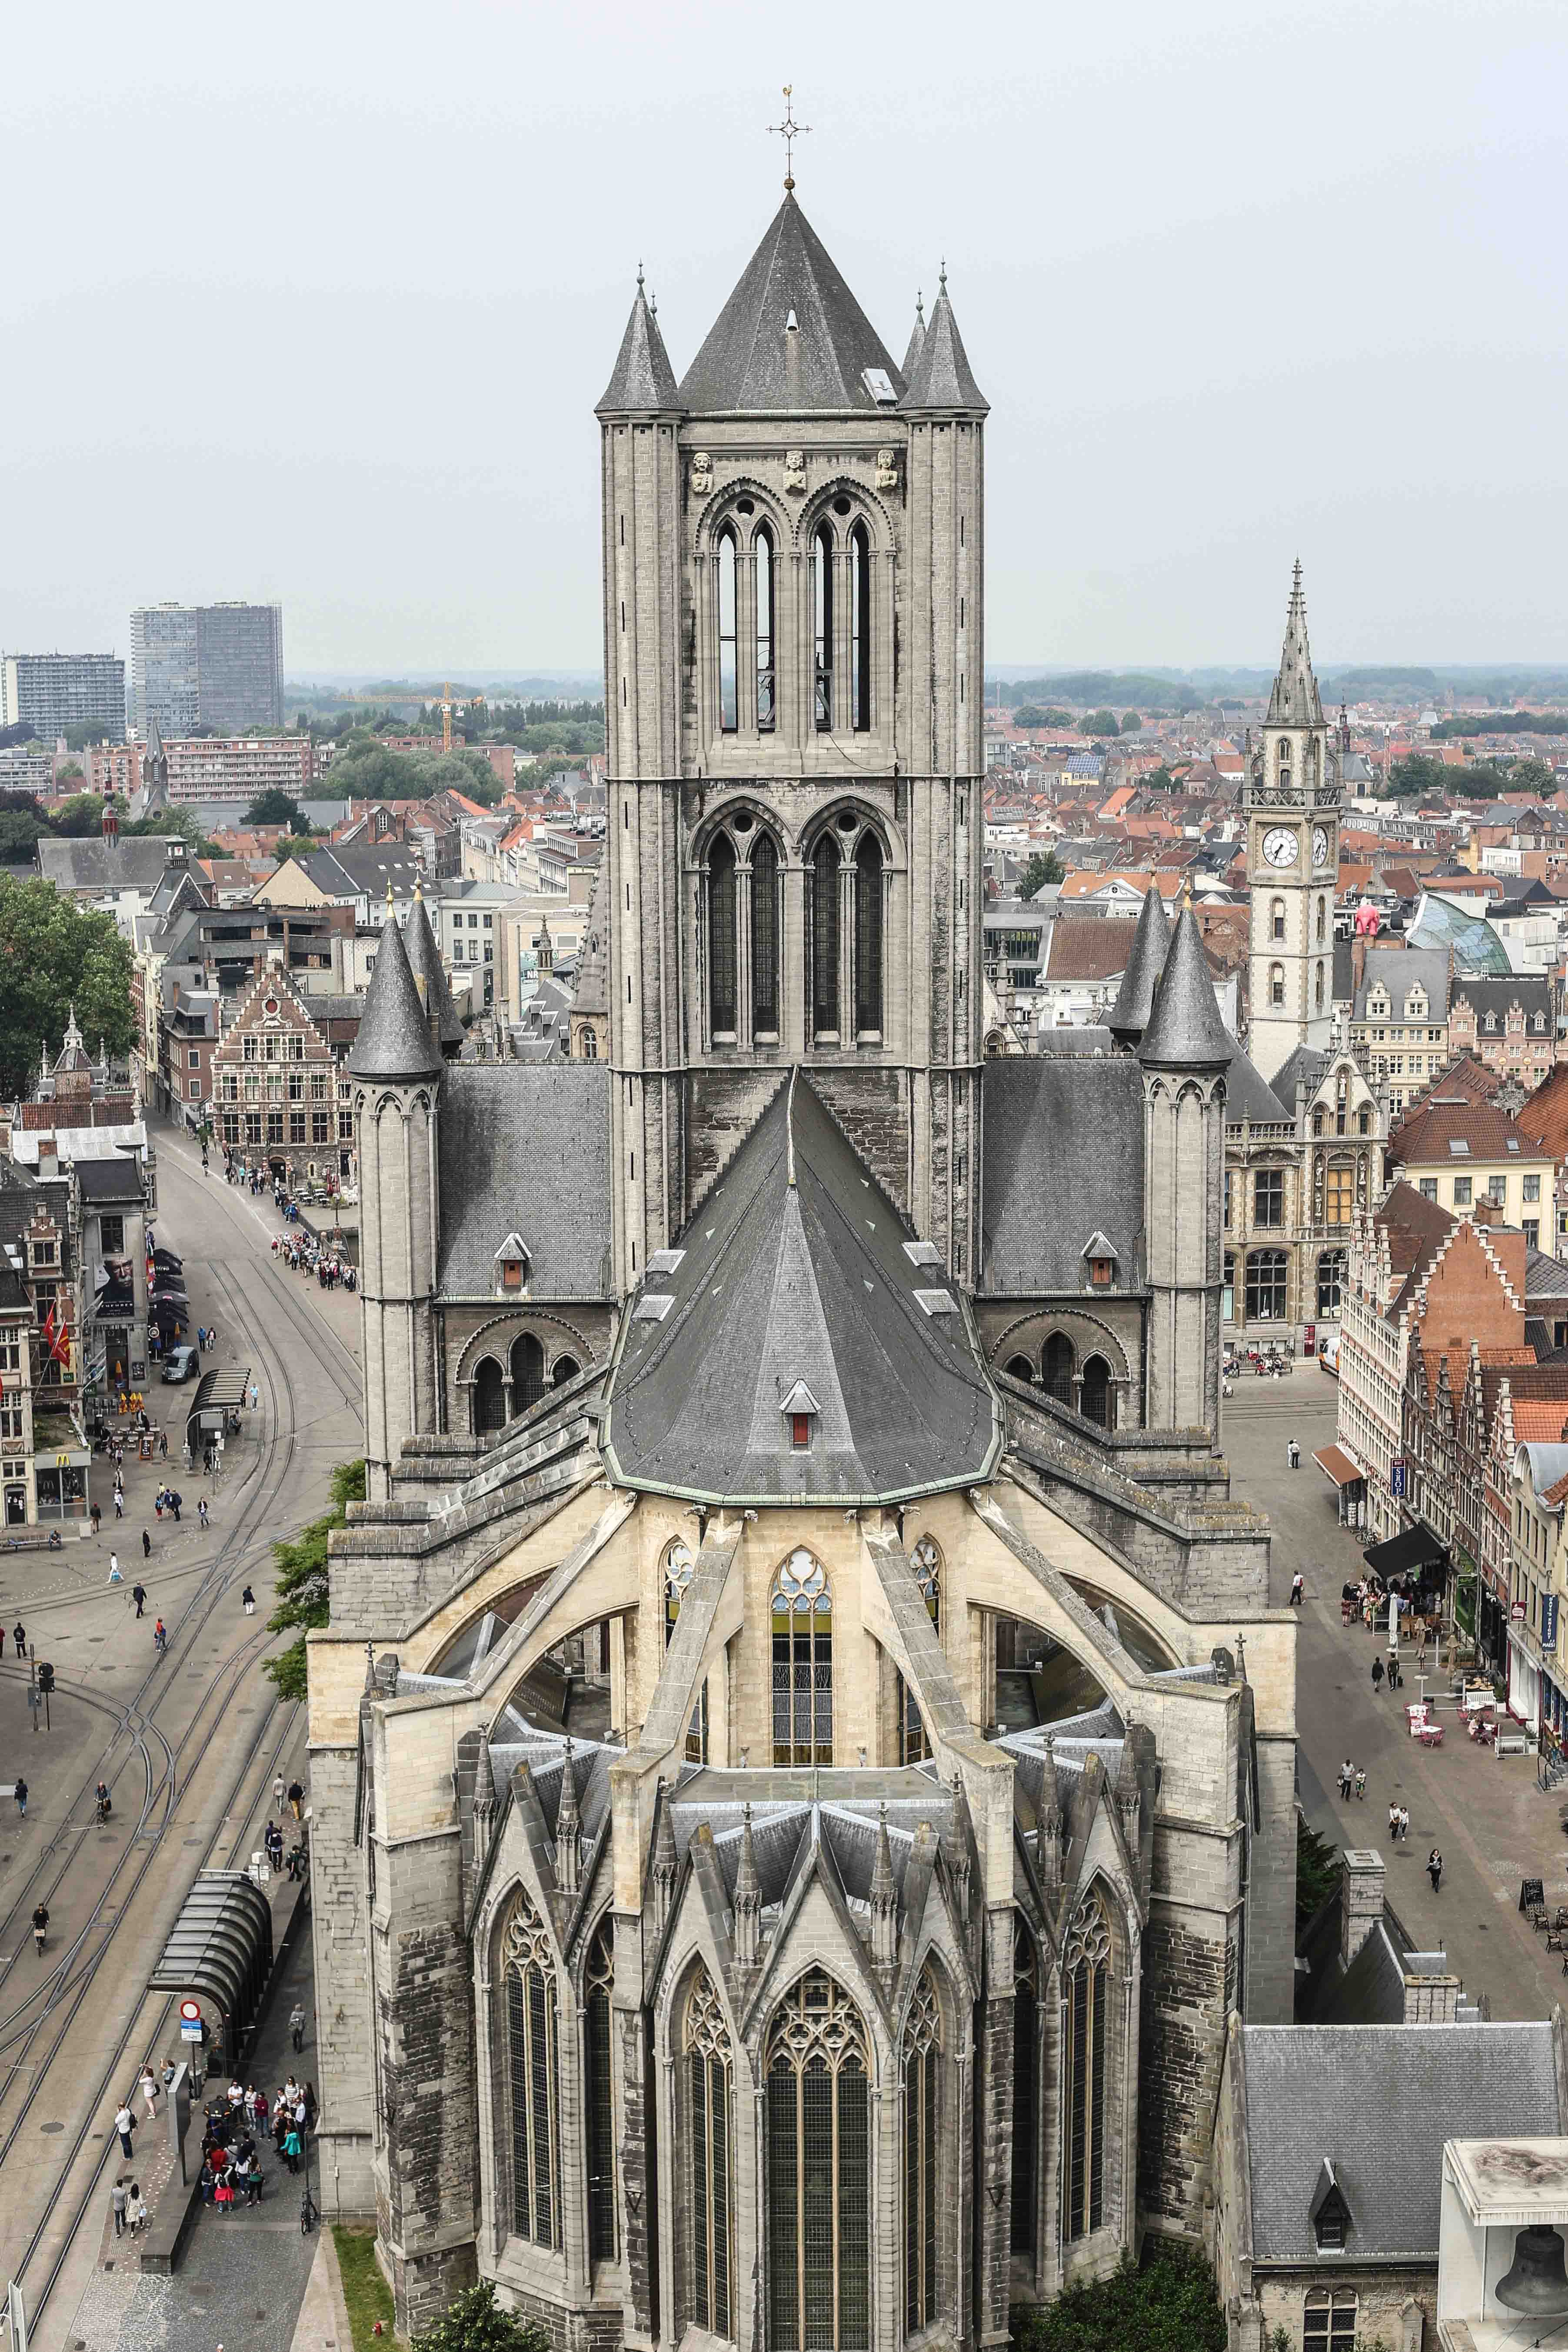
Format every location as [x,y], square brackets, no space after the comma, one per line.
[789,131]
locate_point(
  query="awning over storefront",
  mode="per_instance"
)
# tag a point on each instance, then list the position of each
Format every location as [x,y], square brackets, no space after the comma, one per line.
[221,1949]
[1336,1465]
[1402,1555]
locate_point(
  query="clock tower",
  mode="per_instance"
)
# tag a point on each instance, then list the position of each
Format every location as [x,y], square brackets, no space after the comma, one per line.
[1292,811]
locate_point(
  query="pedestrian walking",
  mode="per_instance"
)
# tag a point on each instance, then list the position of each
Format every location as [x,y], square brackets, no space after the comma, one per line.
[175,1499]
[150,2090]
[19,1636]
[163,1444]
[202,1510]
[117,2200]
[126,2124]
[248,1601]
[296,1798]
[114,1575]
[296,2025]
[96,1515]
[1377,1676]
[253,1396]
[19,1790]
[278,1793]
[146,1545]
[1404,1822]
[1360,1782]
[119,1504]
[292,2146]
[40,1925]
[1298,1586]
[1435,1869]
[160,1637]
[1347,1774]
[135,2210]
[1395,1677]
[1393,1817]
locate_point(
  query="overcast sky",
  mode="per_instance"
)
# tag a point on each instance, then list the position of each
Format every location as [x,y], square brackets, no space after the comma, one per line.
[314,303]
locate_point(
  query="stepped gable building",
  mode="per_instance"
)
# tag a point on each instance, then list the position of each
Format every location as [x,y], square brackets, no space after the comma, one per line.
[802,1733]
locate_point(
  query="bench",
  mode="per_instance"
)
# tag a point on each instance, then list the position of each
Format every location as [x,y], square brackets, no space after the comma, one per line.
[1513,1743]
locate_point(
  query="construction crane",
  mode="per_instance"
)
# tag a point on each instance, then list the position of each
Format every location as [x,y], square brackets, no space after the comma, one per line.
[447,705]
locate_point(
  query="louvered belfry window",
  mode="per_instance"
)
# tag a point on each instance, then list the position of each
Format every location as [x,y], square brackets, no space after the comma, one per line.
[923,2046]
[803,1662]
[534,2071]
[1088,1971]
[707,2062]
[598,1985]
[819,2252]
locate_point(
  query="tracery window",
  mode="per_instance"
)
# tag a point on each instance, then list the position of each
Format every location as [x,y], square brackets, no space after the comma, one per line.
[822,626]
[706,2043]
[1086,1969]
[533,2074]
[1025,2089]
[598,1984]
[762,547]
[923,2046]
[915,1746]
[1060,1364]
[860,627]
[764,940]
[803,1662]
[819,2296]
[679,1563]
[722,942]
[824,939]
[1266,1287]
[729,711]
[869,937]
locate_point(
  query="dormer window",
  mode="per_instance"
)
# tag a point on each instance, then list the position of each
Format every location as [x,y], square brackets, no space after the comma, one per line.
[1100,1257]
[513,1268]
[1331,2215]
[801,1411]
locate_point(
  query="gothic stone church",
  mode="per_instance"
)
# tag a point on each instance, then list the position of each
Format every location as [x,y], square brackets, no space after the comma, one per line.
[801,1756]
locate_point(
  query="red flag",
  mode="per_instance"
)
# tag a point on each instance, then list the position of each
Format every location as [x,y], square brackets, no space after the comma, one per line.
[56,1339]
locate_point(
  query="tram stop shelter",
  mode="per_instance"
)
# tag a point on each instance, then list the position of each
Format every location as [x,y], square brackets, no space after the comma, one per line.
[220,1951]
[217,1395]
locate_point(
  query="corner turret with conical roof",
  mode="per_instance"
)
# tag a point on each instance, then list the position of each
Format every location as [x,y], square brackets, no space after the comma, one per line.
[1185,1055]
[1184,1030]
[917,339]
[431,980]
[941,379]
[1136,997]
[642,382]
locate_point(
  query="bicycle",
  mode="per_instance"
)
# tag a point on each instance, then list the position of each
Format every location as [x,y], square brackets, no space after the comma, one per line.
[40,1928]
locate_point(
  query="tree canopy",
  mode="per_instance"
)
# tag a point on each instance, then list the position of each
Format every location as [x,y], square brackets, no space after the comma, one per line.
[302,1590]
[54,953]
[1043,867]
[476,2323]
[366,770]
[1035,714]
[275,806]
[1167,2306]
[1131,722]
[1101,722]
[1500,722]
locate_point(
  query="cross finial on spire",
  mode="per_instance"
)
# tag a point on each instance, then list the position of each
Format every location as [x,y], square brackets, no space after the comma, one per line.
[789,131]
[942,275]
[920,304]
[639,276]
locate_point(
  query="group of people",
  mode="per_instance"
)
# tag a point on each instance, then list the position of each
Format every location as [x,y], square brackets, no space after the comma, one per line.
[231,2157]
[1352,1781]
[307,1256]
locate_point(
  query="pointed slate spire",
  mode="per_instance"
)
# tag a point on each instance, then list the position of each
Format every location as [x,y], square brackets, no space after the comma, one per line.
[1295,701]
[394,1039]
[566,1826]
[430,978]
[643,377]
[1135,997]
[942,377]
[748,1899]
[884,1898]
[1184,1030]
[917,339]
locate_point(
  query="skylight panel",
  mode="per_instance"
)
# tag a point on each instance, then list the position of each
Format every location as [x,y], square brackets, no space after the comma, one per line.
[880,384]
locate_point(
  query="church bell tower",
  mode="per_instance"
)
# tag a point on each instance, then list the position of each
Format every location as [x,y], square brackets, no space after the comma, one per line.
[1292,811]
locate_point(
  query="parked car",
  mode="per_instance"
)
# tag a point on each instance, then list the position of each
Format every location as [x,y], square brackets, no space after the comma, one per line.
[179,1364]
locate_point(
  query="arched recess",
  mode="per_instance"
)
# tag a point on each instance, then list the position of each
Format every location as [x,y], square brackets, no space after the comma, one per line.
[1097,1965]
[1057,1364]
[527,1372]
[489,1397]
[1039,1679]
[819,2170]
[599,2092]
[1097,1391]
[1021,1369]
[565,1368]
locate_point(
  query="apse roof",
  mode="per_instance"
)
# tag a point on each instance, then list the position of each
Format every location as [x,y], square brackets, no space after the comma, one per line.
[753,361]
[797,1267]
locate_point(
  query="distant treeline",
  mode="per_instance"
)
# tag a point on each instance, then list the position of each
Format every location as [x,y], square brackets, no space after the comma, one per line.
[1501,722]
[1104,686]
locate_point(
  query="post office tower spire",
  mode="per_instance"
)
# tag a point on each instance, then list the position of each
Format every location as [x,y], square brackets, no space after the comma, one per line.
[1292,809]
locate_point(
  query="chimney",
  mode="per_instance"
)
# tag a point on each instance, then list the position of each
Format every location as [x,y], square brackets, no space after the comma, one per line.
[1434,1998]
[1358,959]
[1361,1899]
[48,1159]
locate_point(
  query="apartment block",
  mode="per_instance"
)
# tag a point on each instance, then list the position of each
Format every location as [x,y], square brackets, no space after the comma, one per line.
[206,665]
[46,693]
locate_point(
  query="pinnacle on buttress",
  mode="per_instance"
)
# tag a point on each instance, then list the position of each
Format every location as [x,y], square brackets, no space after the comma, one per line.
[748,1899]
[666,1860]
[566,1825]
[884,1898]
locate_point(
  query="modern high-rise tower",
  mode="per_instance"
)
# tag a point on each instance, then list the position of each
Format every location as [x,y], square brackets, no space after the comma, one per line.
[206,665]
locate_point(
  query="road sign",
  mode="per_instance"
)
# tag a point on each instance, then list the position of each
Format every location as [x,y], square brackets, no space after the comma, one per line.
[191,2033]
[190,2012]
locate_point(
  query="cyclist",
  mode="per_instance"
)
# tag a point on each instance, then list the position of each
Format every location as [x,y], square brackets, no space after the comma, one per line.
[103,1805]
[40,1925]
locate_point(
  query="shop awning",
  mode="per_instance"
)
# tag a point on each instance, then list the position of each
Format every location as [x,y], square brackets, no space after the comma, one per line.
[1336,1465]
[1402,1554]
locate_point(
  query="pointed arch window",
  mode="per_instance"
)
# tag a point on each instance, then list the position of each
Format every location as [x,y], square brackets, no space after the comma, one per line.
[1060,1364]
[765,941]
[824,940]
[527,1372]
[599,1980]
[803,1662]
[915,1746]
[706,2043]
[923,2046]
[722,956]
[869,937]
[534,2075]
[822,625]
[1086,1968]
[860,627]
[1025,2090]
[766,626]
[819,2271]
[729,714]
[489,1397]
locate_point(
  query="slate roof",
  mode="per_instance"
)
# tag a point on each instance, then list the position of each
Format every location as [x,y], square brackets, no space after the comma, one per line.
[105,1180]
[942,377]
[917,339]
[1378,2100]
[1531,992]
[525,1150]
[1151,944]
[394,1040]
[1184,1030]
[1042,1193]
[1400,969]
[424,964]
[642,377]
[1075,1041]
[1249,1095]
[138,863]
[747,365]
[794,1268]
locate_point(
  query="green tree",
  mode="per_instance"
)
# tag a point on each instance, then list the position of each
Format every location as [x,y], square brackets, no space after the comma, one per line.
[81,817]
[1167,2306]
[1131,722]
[1035,714]
[476,2323]
[1100,723]
[275,806]
[1317,1870]
[169,824]
[1043,867]
[303,1595]
[1530,776]
[70,771]
[1159,780]
[54,953]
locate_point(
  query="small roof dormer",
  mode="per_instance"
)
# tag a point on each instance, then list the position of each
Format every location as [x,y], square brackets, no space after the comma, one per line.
[1329,2211]
[514,1264]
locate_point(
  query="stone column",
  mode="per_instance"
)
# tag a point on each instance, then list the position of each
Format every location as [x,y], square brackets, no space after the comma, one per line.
[993,2127]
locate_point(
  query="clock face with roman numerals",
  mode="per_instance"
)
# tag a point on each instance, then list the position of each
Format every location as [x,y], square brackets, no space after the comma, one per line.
[1321,846]
[1281,846]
